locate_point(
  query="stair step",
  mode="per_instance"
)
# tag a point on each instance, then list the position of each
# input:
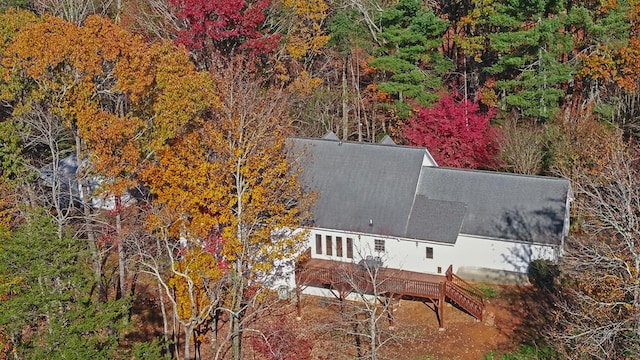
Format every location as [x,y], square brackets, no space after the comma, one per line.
[466,299]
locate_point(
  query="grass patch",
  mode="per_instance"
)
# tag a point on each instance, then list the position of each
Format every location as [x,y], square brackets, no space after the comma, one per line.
[526,352]
[489,291]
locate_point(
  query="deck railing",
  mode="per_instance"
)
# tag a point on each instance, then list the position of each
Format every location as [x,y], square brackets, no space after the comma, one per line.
[451,277]
[347,278]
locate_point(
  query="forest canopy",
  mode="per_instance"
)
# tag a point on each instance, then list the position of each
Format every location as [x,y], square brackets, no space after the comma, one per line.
[143,143]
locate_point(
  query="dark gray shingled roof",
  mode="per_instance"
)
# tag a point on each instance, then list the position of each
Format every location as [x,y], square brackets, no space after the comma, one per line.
[388,184]
[386,140]
[436,220]
[501,205]
[359,182]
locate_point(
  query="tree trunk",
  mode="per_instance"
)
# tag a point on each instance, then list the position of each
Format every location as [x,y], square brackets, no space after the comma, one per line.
[214,330]
[188,330]
[196,344]
[237,275]
[345,109]
[237,313]
[121,255]
[357,339]
[165,321]
[372,332]
[176,334]
[83,189]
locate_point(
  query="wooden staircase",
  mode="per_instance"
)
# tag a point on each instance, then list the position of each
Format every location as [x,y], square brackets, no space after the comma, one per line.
[463,294]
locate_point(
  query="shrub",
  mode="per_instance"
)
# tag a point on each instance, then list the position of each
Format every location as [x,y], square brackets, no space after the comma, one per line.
[543,273]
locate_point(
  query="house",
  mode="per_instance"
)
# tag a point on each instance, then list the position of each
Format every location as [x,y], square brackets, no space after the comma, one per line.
[393,204]
[63,177]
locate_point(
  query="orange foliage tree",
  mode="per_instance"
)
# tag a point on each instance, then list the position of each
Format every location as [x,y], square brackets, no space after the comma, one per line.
[115,98]
[232,175]
[195,282]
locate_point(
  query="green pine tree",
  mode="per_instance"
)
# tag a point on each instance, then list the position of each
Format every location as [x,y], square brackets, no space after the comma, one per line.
[48,310]
[409,54]
[531,47]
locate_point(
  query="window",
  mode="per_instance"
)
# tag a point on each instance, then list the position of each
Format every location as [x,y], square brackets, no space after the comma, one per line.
[338,246]
[429,253]
[318,244]
[329,246]
[378,245]
[350,248]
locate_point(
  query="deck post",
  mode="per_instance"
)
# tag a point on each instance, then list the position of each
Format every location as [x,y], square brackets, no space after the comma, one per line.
[298,309]
[388,303]
[441,304]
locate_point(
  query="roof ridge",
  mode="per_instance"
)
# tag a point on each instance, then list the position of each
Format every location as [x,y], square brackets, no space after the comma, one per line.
[361,143]
[500,173]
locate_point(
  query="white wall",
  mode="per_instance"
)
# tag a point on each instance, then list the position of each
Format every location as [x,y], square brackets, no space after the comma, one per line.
[428,159]
[411,255]
[399,253]
[499,255]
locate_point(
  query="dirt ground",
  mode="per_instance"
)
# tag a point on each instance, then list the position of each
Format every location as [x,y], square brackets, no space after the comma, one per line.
[415,325]
[464,338]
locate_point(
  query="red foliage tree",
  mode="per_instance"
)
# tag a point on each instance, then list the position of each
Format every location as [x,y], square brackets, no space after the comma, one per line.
[225,26]
[456,133]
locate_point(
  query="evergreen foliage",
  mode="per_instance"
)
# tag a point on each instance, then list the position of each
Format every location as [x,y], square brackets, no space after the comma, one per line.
[47,308]
[409,54]
[530,50]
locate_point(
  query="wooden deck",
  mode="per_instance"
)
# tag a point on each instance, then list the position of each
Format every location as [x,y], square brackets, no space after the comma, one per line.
[345,278]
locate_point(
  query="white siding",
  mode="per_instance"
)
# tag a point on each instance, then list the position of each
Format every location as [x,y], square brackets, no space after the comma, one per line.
[428,160]
[399,253]
[499,255]
[411,255]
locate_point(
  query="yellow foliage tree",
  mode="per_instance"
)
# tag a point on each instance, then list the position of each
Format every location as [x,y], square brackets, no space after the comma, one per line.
[233,174]
[195,279]
[117,97]
[305,35]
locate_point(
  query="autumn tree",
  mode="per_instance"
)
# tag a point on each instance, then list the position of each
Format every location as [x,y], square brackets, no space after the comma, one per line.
[102,96]
[111,101]
[456,133]
[278,336]
[304,31]
[609,63]
[523,147]
[76,11]
[231,174]
[188,273]
[366,316]
[12,162]
[55,64]
[598,310]
[595,305]
[153,19]
[224,28]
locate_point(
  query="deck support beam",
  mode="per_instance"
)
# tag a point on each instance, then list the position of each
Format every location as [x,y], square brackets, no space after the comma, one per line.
[441,305]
